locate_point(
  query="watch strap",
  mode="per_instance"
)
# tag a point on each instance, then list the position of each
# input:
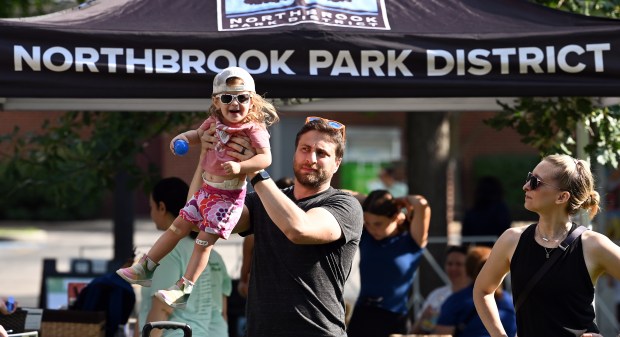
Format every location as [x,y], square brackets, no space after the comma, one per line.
[260,176]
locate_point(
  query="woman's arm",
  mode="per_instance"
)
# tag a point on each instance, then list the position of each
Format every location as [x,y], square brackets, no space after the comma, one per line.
[443,330]
[491,277]
[601,255]
[225,307]
[419,214]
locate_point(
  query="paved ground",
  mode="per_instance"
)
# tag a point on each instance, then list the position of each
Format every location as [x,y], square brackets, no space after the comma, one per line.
[23,246]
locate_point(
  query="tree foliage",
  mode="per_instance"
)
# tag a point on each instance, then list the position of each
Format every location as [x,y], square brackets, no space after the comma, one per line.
[75,158]
[549,124]
[63,169]
[602,8]
[24,8]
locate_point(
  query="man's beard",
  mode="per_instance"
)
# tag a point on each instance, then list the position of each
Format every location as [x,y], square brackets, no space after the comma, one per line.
[311,180]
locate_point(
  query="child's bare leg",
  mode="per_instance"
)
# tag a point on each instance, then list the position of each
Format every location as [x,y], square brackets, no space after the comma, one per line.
[166,242]
[177,295]
[200,256]
[141,272]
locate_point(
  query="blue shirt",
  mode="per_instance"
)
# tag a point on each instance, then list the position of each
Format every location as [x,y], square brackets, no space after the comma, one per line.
[458,307]
[387,268]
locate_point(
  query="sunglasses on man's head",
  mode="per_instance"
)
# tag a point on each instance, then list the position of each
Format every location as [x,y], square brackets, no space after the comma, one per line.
[334,124]
[228,98]
[535,182]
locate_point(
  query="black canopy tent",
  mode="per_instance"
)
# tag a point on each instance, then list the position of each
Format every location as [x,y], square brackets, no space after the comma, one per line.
[152,49]
[148,50]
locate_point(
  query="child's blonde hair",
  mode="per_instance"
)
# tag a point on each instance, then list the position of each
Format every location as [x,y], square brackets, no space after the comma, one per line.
[261,110]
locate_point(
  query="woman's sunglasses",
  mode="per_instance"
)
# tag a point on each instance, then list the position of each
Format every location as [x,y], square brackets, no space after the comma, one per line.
[228,98]
[334,124]
[535,182]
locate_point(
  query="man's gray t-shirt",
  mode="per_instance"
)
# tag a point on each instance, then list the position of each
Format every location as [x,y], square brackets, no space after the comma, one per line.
[298,290]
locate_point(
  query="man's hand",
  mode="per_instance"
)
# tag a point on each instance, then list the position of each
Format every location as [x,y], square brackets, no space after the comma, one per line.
[207,138]
[243,148]
[241,145]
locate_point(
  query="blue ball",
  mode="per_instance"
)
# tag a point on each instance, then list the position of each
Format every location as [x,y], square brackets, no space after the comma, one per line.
[10,303]
[180,147]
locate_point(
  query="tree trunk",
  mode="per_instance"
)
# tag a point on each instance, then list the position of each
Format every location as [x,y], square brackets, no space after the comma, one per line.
[428,138]
[123,220]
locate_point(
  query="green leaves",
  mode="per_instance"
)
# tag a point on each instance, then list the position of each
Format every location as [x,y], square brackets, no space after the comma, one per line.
[75,158]
[549,125]
[604,8]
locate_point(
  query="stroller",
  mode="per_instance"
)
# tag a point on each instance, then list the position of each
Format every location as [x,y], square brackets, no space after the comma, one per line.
[146,331]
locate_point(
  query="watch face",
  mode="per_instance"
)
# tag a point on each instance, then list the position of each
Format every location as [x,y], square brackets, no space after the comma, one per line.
[262,175]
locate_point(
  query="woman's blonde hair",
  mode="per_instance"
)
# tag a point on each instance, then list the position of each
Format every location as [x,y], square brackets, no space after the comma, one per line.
[575,177]
[261,111]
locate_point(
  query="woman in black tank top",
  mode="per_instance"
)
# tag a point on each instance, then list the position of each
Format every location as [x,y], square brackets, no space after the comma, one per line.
[560,304]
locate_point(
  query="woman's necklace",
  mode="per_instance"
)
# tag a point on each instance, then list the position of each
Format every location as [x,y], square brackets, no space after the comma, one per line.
[545,239]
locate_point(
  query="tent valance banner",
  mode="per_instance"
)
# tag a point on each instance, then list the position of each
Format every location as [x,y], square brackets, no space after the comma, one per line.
[310,48]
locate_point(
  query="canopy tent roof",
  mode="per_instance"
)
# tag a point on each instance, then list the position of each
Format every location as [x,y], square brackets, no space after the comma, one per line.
[156,49]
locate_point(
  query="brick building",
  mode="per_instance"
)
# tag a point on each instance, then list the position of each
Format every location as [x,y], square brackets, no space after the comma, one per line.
[477,143]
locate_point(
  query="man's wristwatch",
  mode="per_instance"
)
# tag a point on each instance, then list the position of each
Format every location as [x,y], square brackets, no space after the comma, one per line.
[260,176]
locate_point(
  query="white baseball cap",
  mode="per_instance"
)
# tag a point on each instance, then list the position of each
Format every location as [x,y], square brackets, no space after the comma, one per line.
[219,82]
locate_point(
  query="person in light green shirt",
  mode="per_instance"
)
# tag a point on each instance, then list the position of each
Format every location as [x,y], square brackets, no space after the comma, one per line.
[387,181]
[205,312]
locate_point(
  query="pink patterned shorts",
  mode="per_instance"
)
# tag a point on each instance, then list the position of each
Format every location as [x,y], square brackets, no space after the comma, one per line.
[215,210]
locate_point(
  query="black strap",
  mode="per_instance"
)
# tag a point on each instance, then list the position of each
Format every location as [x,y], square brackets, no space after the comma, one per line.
[554,257]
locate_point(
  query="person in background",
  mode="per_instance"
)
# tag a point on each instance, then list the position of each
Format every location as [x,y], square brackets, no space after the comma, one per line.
[390,253]
[248,248]
[614,286]
[455,269]
[5,311]
[561,303]
[388,181]
[111,294]
[490,215]
[206,312]
[458,315]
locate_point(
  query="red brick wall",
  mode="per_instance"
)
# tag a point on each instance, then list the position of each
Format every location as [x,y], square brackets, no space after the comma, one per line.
[474,139]
[477,139]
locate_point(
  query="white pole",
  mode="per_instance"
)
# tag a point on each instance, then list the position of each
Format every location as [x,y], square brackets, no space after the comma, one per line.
[582,140]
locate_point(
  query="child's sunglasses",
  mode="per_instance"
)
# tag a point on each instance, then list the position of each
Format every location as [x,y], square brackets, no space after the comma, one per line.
[334,124]
[228,98]
[535,182]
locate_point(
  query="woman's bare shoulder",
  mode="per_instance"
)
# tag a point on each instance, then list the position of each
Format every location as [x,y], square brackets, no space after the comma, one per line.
[509,239]
[514,233]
